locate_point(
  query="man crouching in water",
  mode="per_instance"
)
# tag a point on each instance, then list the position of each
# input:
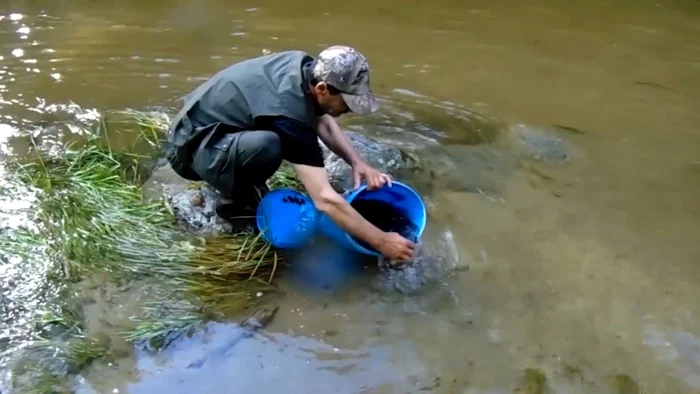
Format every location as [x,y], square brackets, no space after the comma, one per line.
[236,128]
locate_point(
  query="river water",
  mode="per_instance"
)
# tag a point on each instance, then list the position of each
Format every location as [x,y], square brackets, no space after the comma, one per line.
[584,269]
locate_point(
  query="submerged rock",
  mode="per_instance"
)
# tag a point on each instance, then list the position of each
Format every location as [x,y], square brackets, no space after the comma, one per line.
[436,256]
[533,381]
[624,384]
[539,144]
[257,320]
[383,157]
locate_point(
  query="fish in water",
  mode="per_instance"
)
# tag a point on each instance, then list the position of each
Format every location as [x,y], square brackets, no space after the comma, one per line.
[257,320]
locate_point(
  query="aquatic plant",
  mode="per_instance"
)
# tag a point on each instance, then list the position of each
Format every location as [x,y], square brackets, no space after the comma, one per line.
[624,384]
[56,348]
[285,177]
[533,381]
[91,217]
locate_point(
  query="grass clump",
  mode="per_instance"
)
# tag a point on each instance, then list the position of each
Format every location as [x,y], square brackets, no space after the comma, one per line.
[92,210]
[90,216]
[285,177]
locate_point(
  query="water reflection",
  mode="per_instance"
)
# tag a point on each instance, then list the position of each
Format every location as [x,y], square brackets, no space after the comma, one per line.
[261,363]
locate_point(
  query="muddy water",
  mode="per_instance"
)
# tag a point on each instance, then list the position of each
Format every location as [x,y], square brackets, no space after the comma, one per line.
[583,268]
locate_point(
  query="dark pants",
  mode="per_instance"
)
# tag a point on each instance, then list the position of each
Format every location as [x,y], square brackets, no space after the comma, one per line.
[236,164]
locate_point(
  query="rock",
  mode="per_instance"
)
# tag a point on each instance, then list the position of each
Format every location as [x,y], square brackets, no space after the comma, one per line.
[196,209]
[193,202]
[533,381]
[197,199]
[538,144]
[258,320]
[624,384]
[384,157]
[437,256]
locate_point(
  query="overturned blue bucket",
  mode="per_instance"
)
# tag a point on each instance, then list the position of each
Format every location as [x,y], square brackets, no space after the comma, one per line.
[399,196]
[286,218]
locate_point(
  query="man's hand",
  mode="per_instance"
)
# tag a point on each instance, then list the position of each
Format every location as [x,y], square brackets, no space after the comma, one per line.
[374,178]
[396,247]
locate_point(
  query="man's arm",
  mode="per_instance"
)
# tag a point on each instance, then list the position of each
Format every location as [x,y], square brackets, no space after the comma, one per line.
[335,139]
[328,201]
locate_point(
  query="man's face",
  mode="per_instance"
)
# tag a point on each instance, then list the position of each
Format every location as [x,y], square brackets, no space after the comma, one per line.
[332,104]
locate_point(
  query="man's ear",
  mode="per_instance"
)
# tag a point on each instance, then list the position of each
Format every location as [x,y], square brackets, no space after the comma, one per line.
[321,88]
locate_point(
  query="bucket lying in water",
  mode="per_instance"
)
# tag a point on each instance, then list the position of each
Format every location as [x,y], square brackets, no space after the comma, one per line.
[393,209]
[286,218]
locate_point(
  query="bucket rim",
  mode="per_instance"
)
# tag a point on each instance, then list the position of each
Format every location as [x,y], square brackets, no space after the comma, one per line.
[363,187]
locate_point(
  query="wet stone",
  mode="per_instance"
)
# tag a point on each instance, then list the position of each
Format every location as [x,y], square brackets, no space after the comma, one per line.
[192,202]
[533,381]
[384,157]
[197,199]
[540,144]
[624,384]
[256,320]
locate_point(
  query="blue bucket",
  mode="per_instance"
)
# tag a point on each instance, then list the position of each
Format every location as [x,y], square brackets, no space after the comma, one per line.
[400,196]
[286,218]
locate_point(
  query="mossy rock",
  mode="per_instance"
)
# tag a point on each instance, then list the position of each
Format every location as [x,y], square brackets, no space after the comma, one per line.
[533,381]
[624,384]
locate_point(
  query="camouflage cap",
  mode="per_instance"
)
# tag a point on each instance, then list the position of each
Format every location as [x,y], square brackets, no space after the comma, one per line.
[348,71]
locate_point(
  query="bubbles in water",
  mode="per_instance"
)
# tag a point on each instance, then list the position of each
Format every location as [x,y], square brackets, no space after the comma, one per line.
[18,52]
[56,76]
[24,30]
[16,17]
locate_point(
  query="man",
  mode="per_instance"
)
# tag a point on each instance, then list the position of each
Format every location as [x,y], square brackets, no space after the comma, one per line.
[236,128]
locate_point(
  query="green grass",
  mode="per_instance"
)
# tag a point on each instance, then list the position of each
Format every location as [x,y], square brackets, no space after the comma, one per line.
[91,217]
[285,177]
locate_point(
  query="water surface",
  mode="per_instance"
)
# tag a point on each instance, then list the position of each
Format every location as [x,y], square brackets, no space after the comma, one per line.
[583,268]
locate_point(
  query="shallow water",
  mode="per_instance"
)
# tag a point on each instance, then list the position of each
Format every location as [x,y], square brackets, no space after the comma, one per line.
[581,246]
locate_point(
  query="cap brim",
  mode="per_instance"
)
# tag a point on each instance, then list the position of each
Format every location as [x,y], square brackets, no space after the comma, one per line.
[361,103]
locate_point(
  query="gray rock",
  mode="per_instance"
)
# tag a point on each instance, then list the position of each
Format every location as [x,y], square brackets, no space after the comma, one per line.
[384,157]
[192,202]
[539,144]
